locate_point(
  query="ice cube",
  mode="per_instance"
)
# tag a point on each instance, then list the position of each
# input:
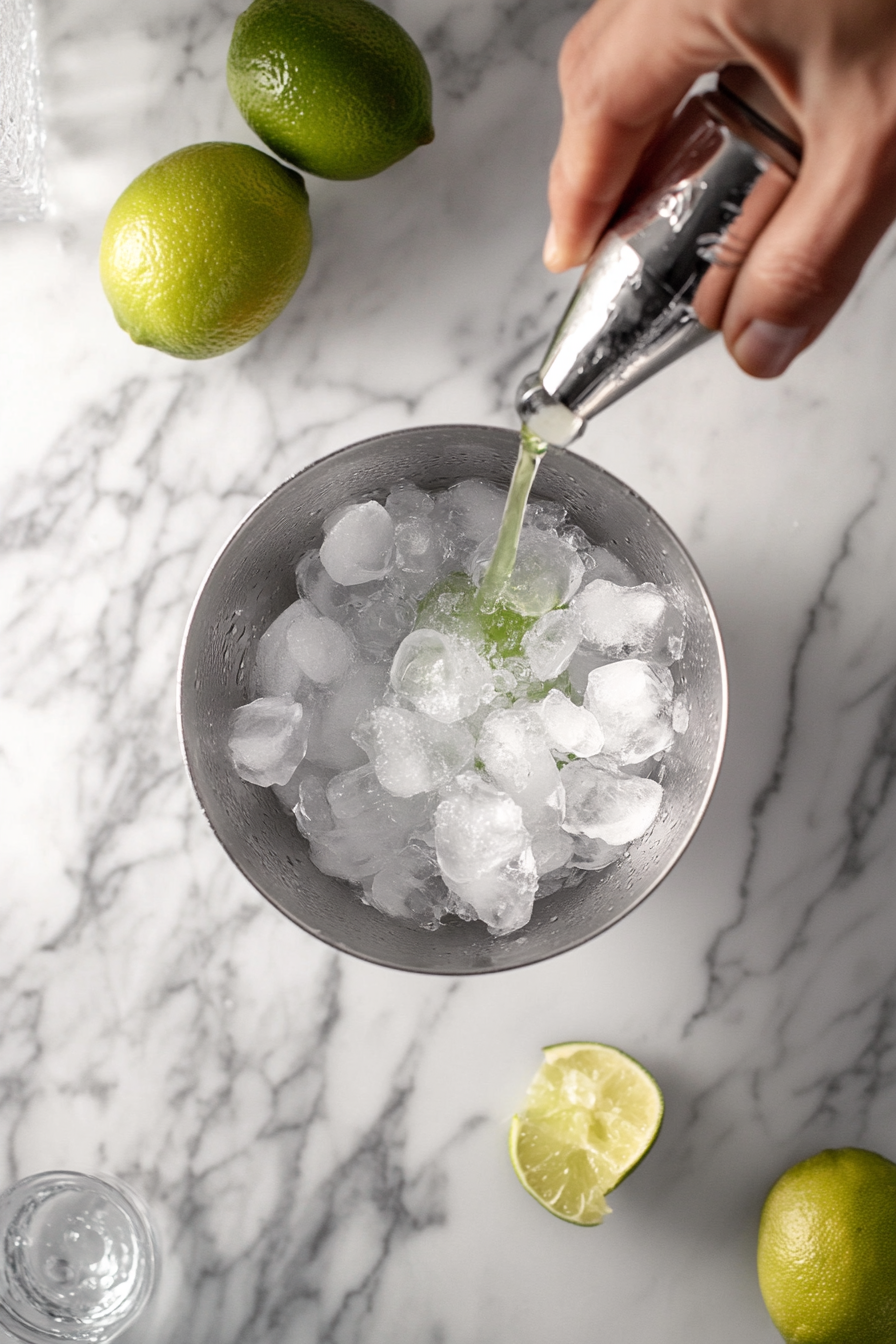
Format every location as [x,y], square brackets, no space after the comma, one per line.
[463,517]
[477,508]
[573,534]
[546,574]
[502,898]
[370,828]
[551,643]
[441,675]
[358,542]
[511,677]
[267,739]
[350,852]
[451,608]
[333,714]
[601,563]
[419,549]
[570,729]
[289,794]
[276,670]
[628,622]
[681,713]
[603,804]
[513,747]
[413,753]
[633,704]
[594,854]
[409,887]
[316,645]
[381,621]
[313,582]
[581,665]
[545,514]
[353,792]
[478,829]
[669,644]
[358,793]
[418,555]
[407,500]
[312,809]
[552,847]
[559,879]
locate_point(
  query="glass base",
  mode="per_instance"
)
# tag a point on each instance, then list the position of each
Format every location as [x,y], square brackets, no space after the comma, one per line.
[77,1258]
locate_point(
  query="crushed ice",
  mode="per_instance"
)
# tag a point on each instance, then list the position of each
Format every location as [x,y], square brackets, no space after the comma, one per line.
[449,761]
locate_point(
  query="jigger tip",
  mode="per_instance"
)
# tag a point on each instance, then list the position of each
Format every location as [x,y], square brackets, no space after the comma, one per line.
[546,417]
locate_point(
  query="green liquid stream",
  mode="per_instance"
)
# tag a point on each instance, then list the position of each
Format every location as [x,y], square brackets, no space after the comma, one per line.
[456,607]
[500,567]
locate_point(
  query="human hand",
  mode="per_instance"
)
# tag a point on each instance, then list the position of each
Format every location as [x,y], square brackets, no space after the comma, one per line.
[627,64]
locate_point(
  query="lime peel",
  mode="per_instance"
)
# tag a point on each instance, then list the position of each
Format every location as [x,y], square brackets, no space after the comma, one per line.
[827,1249]
[591,1115]
[336,87]
[205,248]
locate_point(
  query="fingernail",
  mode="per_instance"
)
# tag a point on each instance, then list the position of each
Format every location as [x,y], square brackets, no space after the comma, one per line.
[549,253]
[766,348]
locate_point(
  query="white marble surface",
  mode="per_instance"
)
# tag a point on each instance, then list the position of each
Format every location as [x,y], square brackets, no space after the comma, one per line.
[323,1141]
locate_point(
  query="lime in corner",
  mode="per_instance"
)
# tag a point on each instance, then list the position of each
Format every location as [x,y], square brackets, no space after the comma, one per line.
[590,1116]
[827,1249]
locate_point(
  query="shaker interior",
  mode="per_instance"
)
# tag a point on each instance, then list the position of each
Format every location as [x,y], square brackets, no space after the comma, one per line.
[251,582]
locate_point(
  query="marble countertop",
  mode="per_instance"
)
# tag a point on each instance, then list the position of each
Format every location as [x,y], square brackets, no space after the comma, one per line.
[322,1141]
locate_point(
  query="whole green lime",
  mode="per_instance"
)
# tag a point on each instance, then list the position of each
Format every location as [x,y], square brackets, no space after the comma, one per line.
[827,1250]
[336,87]
[205,248]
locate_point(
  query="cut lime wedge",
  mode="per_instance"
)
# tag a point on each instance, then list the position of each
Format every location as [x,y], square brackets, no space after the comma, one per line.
[591,1114]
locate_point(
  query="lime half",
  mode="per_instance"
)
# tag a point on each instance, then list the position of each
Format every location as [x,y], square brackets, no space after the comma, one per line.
[591,1114]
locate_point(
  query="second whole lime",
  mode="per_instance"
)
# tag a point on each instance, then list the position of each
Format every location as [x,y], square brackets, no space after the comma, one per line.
[336,87]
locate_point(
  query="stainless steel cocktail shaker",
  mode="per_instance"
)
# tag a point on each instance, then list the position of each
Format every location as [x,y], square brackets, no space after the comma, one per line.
[657,284]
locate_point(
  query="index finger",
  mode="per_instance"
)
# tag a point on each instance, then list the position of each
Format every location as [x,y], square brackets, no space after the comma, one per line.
[624,68]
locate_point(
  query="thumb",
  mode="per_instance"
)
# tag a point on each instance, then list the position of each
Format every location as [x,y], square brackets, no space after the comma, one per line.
[810,254]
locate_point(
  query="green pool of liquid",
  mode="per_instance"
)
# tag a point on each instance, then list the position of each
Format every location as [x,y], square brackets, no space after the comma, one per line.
[453,607]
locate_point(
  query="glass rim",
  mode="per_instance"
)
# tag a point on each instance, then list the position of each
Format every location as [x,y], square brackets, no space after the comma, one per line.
[99,1330]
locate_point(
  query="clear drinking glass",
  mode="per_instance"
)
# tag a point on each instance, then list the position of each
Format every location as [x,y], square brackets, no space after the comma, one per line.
[22,183]
[77,1258]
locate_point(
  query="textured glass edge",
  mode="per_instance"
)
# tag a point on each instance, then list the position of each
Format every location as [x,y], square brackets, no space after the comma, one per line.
[102,1331]
[23,193]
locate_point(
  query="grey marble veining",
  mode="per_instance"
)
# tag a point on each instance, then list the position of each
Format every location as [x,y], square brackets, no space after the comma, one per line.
[323,1142]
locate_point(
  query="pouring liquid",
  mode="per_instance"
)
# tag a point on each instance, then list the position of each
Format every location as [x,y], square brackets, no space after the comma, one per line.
[478,613]
[500,567]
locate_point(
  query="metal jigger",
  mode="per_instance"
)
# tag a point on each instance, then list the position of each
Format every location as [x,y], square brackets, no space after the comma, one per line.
[657,284]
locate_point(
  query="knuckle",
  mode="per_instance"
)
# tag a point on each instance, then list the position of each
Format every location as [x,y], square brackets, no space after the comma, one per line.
[589,57]
[792,278]
[572,54]
[569,183]
[579,81]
